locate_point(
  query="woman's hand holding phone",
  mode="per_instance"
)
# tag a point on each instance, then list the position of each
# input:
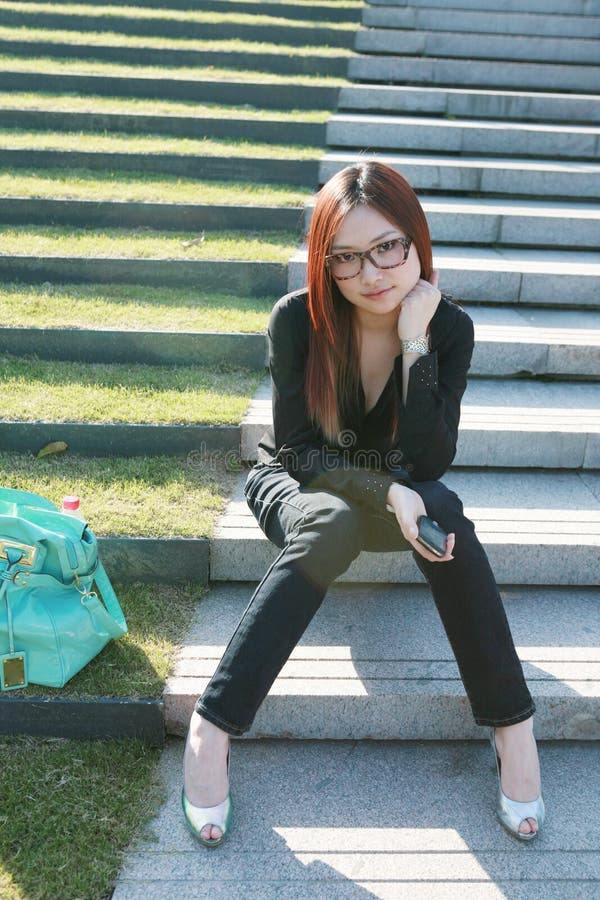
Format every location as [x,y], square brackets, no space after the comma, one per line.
[418,308]
[409,507]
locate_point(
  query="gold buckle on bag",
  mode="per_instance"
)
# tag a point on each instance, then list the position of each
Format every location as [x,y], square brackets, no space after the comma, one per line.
[29,553]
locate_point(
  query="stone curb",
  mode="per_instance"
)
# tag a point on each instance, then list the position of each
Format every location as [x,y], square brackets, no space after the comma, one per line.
[151,560]
[257,279]
[275,63]
[576,7]
[302,172]
[148,347]
[269,96]
[109,718]
[326,13]
[263,130]
[114,439]
[161,215]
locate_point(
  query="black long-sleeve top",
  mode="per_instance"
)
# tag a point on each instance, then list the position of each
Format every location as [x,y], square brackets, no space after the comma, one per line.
[363,468]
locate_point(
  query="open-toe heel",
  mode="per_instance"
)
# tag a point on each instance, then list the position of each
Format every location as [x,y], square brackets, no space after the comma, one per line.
[199,816]
[512,812]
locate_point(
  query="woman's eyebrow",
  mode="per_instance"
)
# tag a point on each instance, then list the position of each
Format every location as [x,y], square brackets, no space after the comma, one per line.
[373,242]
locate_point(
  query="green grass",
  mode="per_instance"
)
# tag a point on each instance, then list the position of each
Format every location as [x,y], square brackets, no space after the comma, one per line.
[155,497]
[66,102]
[138,664]
[145,243]
[87,184]
[191,16]
[69,810]
[115,39]
[130,307]
[18,139]
[47,64]
[57,391]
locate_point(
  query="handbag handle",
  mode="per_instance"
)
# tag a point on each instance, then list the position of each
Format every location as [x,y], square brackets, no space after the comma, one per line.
[112,617]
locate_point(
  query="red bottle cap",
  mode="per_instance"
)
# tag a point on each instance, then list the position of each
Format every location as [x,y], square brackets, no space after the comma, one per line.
[71,502]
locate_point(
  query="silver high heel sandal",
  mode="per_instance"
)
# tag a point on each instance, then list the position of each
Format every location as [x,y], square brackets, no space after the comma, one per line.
[512,812]
[197,817]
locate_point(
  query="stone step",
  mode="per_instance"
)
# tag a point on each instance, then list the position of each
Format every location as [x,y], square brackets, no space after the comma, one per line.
[576,7]
[473,21]
[510,275]
[517,223]
[455,44]
[138,214]
[464,103]
[539,342]
[393,820]
[536,527]
[503,423]
[375,663]
[476,73]
[415,133]
[483,175]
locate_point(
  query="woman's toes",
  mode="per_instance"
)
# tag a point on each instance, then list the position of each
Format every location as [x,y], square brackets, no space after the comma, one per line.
[527,826]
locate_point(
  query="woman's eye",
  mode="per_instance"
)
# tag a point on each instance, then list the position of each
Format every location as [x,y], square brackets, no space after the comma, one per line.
[386,246]
[345,257]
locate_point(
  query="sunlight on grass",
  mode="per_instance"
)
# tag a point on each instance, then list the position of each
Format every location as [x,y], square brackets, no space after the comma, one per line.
[43,64]
[145,243]
[57,391]
[157,496]
[115,39]
[135,143]
[48,102]
[174,15]
[130,307]
[86,184]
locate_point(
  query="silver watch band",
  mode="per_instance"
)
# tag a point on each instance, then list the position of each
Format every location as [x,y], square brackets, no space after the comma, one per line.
[419,344]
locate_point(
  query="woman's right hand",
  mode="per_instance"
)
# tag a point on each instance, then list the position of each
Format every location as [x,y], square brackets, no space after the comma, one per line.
[409,507]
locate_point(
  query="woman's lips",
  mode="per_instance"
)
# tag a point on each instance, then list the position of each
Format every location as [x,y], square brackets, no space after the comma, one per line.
[375,295]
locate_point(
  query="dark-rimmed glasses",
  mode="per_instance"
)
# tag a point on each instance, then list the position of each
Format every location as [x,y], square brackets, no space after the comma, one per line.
[386,255]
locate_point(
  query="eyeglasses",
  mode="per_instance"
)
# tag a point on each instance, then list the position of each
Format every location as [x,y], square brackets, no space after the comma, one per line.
[387,255]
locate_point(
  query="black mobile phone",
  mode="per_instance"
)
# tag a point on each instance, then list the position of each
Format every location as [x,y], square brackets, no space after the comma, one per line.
[431,536]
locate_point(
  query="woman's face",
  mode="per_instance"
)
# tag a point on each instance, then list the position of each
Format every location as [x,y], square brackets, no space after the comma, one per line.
[374,292]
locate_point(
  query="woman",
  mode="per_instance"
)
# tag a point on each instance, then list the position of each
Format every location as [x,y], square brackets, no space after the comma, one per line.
[368,368]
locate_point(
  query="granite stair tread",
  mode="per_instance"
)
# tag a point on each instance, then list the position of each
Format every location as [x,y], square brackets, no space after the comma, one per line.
[374,649]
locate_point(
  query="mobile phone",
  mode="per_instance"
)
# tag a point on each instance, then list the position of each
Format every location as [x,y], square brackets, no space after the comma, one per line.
[431,536]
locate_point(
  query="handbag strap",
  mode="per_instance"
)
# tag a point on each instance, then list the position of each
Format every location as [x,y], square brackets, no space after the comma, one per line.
[13,555]
[112,617]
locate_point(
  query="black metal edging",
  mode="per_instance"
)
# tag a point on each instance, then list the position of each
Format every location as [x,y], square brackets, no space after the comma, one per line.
[276,63]
[116,439]
[255,93]
[160,215]
[269,131]
[85,718]
[256,279]
[147,347]
[292,11]
[302,172]
[156,560]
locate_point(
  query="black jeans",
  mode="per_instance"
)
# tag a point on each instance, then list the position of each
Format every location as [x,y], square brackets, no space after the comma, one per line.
[319,534]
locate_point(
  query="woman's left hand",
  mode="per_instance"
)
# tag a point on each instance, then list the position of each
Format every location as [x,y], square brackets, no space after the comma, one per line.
[418,308]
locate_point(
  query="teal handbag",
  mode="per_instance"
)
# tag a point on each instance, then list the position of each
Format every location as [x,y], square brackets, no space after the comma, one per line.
[51,622]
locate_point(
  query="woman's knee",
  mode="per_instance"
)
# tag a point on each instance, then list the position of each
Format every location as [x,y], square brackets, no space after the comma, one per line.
[331,534]
[442,505]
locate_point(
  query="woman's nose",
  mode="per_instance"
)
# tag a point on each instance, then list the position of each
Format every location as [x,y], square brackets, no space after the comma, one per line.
[369,272]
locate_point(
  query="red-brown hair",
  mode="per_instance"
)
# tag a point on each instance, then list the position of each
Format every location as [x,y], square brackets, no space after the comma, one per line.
[333,369]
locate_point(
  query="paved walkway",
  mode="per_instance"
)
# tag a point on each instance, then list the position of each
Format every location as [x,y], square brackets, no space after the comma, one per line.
[358,819]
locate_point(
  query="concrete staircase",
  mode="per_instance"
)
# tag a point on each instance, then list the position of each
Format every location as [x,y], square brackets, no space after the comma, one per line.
[492,116]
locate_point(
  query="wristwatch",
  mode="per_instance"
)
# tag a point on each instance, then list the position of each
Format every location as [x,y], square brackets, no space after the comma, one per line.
[419,344]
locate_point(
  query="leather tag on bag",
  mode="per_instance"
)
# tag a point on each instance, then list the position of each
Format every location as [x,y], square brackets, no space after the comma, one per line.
[13,671]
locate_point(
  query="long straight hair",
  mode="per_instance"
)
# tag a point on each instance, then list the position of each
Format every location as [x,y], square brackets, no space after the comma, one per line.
[333,368]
